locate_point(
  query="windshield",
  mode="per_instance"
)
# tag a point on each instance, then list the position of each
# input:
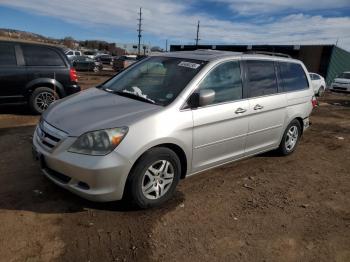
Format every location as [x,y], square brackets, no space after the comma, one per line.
[157,79]
[344,75]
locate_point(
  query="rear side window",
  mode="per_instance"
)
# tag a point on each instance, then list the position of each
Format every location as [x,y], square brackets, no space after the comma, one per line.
[293,76]
[41,56]
[261,78]
[7,55]
[225,80]
[77,53]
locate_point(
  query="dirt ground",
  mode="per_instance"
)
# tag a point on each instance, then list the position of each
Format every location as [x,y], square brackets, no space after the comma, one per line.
[265,208]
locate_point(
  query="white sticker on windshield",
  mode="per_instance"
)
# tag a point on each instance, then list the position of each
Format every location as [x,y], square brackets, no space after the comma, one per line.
[189,65]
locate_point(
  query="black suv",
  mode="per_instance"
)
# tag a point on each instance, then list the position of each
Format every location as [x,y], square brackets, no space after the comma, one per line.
[35,73]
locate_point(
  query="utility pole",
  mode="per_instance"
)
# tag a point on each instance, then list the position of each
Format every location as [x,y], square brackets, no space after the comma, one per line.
[139,31]
[197,38]
[166,45]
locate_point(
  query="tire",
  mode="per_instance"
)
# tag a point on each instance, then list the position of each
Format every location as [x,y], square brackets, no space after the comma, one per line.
[320,91]
[143,184]
[290,138]
[41,98]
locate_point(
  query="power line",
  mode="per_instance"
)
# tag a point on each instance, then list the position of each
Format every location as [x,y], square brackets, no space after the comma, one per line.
[139,31]
[197,38]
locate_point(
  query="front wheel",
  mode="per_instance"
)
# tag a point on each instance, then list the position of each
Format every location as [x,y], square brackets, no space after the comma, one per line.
[154,177]
[290,138]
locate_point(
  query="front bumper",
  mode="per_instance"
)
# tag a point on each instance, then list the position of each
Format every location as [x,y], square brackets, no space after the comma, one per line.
[96,178]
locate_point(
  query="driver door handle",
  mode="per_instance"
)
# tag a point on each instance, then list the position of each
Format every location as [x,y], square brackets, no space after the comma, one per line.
[258,107]
[240,110]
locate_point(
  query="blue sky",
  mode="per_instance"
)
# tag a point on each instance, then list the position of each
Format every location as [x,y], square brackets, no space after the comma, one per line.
[222,21]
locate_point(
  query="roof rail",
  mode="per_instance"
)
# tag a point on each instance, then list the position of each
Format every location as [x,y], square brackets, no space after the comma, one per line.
[267,53]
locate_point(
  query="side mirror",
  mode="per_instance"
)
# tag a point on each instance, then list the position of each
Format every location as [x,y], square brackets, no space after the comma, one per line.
[202,98]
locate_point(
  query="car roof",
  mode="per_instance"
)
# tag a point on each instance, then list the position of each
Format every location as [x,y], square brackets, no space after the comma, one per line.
[211,55]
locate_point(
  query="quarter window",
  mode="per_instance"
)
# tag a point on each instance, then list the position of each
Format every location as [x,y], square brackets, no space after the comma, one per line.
[7,55]
[261,78]
[41,56]
[293,76]
[225,80]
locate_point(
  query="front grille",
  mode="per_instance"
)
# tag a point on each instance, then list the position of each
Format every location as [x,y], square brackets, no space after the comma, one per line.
[58,176]
[49,136]
[52,173]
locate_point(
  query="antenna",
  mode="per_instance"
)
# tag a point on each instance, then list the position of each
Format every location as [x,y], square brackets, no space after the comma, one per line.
[197,38]
[139,31]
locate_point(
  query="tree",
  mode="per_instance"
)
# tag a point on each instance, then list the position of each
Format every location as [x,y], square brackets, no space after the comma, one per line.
[69,41]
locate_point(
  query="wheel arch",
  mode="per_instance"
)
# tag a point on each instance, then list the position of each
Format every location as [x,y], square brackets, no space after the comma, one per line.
[177,150]
[45,82]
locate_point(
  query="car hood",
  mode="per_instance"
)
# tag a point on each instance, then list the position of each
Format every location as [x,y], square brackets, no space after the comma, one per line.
[342,80]
[95,109]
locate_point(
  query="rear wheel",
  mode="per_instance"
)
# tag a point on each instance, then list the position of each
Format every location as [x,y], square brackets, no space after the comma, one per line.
[290,138]
[320,91]
[41,98]
[154,177]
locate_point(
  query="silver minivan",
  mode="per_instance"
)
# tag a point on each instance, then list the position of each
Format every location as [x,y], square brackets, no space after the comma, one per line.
[171,116]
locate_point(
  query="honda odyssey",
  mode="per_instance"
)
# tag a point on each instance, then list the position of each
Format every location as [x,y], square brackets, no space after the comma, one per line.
[171,116]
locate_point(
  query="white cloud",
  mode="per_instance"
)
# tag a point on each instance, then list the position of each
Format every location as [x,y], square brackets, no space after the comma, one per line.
[257,7]
[167,19]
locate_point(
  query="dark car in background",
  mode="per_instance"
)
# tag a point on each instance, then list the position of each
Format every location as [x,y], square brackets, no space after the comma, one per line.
[83,63]
[35,73]
[123,62]
[104,59]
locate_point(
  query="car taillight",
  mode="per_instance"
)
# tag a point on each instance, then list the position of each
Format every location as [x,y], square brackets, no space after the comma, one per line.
[73,75]
[314,102]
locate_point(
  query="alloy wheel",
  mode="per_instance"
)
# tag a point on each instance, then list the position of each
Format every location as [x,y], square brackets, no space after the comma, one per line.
[157,179]
[291,138]
[43,100]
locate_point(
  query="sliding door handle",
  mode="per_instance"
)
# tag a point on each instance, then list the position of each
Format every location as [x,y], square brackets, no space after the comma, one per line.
[240,110]
[258,107]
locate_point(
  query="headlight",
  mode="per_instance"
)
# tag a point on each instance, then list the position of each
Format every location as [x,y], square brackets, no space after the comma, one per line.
[99,143]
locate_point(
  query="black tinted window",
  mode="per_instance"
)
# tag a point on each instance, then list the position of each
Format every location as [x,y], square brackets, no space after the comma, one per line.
[41,56]
[225,80]
[293,76]
[344,75]
[7,55]
[261,78]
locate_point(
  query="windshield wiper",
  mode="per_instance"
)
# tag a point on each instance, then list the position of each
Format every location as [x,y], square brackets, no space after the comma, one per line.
[135,96]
